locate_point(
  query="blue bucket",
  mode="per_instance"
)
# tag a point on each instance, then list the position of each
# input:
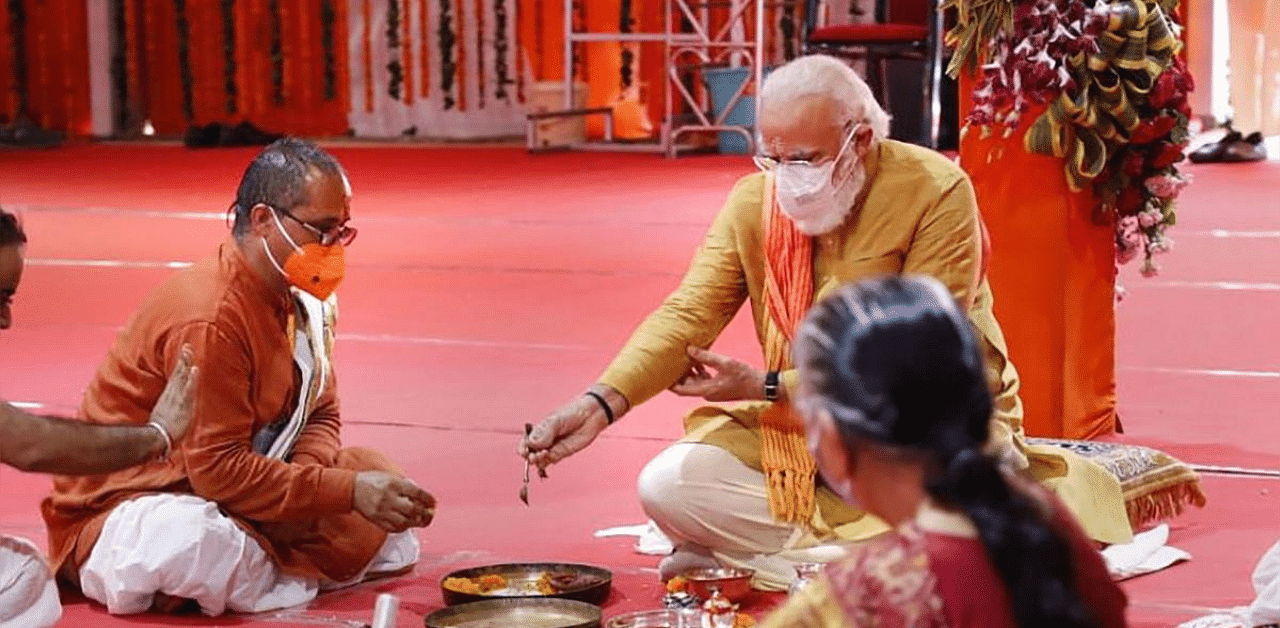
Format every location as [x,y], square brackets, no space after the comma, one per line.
[722,83]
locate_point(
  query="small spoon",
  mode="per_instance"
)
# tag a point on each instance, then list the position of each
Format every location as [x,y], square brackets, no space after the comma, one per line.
[524,489]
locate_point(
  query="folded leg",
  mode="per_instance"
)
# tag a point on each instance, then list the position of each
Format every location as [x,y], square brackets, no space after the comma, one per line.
[712,505]
[183,546]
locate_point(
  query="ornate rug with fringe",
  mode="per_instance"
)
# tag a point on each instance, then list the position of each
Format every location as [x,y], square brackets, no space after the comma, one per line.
[1156,486]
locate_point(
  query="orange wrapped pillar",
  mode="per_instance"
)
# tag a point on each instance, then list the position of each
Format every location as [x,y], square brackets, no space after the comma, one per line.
[1052,272]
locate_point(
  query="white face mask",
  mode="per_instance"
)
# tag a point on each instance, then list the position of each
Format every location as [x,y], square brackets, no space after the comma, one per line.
[811,197]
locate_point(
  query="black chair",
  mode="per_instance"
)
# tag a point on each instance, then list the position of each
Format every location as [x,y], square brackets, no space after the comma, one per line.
[903,29]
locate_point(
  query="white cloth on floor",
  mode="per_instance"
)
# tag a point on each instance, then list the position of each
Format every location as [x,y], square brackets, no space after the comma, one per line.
[1228,619]
[28,595]
[706,500]
[1266,584]
[184,546]
[650,540]
[1147,553]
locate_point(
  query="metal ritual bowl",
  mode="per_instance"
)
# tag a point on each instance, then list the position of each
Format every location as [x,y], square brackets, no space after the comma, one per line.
[734,584]
[517,612]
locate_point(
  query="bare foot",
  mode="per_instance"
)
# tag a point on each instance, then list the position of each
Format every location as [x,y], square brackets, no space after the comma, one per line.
[173,605]
[684,559]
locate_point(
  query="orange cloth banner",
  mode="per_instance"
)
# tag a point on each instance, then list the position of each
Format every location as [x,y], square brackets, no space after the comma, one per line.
[296,101]
[55,61]
[1053,275]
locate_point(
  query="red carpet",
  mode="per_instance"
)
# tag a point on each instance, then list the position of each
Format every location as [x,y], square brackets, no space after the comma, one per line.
[487,286]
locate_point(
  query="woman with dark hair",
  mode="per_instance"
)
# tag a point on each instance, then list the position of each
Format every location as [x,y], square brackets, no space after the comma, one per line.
[28,595]
[896,410]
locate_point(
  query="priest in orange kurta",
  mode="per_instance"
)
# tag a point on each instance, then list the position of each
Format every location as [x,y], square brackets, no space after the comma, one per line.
[259,506]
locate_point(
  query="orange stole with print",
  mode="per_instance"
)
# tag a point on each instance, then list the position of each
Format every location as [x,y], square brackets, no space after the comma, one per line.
[789,469]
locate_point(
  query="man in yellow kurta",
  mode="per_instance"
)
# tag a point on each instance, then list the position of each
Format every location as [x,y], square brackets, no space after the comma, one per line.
[836,202]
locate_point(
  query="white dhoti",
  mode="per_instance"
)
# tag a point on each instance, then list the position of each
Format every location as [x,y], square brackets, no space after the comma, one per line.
[711,504]
[28,594]
[183,546]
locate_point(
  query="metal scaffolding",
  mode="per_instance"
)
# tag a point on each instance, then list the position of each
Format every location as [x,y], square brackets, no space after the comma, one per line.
[691,45]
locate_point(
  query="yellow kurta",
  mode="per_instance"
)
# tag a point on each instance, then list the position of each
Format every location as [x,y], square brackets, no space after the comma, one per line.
[916,215]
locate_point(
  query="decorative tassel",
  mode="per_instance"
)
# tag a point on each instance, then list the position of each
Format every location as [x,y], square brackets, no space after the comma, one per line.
[1165,503]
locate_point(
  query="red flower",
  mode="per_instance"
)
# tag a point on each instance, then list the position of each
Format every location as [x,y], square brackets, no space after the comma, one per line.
[1133,164]
[1172,86]
[1166,155]
[1152,130]
[1039,79]
[1130,200]
[1188,80]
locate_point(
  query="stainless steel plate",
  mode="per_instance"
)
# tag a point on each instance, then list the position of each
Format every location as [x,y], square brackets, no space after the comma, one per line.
[522,612]
[652,619]
[587,583]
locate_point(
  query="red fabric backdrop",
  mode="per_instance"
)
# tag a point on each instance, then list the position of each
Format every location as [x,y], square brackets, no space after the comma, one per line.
[56,60]
[155,77]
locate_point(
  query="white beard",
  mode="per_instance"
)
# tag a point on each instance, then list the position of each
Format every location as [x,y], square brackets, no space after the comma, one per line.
[845,196]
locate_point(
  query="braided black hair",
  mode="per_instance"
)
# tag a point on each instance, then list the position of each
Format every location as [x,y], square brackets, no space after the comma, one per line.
[896,363]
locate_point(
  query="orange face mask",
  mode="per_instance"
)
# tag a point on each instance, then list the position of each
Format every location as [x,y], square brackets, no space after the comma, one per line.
[313,268]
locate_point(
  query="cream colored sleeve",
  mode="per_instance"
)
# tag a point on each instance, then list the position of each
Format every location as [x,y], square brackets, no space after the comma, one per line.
[948,242]
[712,291]
[789,380]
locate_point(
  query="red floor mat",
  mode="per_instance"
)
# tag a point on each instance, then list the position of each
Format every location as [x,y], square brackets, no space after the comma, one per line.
[487,286]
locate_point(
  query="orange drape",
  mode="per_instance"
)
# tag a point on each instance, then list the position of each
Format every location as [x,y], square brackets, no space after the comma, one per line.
[57,65]
[1053,275]
[153,40]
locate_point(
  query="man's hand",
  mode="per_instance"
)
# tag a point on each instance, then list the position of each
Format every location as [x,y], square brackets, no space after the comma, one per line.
[565,432]
[177,402]
[393,503]
[733,380]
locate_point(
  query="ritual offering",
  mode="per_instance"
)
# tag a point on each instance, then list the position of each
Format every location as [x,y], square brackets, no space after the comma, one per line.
[718,611]
[584,583]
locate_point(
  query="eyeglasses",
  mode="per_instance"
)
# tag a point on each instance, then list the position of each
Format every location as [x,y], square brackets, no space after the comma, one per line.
[767,163]
[341,234]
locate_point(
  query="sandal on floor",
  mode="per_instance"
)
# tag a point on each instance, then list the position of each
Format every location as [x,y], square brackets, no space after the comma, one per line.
[1246,150]
[1215,151]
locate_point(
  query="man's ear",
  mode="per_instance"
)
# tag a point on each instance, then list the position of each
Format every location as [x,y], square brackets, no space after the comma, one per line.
[260,219]
[862,138]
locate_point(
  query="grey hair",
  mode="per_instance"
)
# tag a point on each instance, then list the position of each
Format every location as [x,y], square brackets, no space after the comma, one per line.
[278,177]
[824,75]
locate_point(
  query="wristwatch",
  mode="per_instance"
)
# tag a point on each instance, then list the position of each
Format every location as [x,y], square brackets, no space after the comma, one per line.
[771,386]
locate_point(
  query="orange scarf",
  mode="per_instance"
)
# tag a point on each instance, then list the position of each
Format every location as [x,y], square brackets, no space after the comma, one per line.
[788,293]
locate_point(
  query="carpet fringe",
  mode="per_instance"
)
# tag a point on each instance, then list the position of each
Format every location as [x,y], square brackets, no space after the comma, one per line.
[1164,503]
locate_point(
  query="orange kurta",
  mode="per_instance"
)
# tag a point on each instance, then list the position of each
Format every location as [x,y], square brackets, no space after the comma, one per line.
[1054,269]
[237,325]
